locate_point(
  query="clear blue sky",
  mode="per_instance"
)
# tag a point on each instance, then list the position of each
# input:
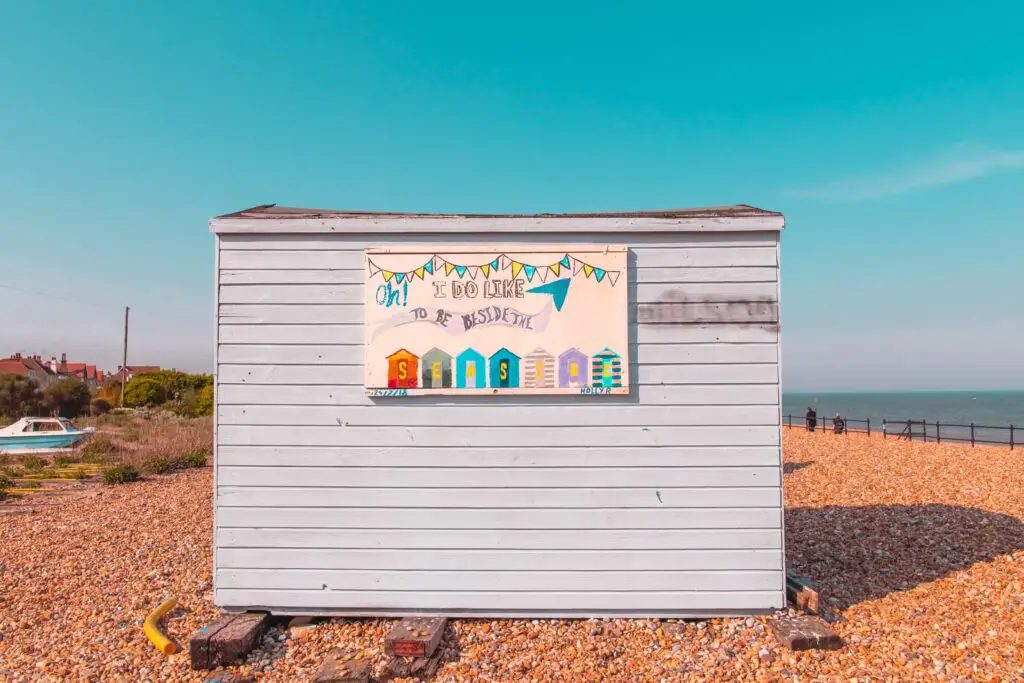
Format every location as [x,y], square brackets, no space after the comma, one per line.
[890,134]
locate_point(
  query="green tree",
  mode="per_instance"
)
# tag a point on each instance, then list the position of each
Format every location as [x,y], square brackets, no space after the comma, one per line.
[67,397]
[19,396]
[145,390]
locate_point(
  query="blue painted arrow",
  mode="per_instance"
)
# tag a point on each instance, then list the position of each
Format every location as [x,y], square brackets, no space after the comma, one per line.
[557,289]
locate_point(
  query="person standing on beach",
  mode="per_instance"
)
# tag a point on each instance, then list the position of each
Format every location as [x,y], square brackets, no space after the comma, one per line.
[812,419]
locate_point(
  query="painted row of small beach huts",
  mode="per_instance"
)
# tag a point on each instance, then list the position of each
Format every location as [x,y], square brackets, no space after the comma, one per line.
[504,369]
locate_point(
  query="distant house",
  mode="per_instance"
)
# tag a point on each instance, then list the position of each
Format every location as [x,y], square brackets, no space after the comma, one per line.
[504,369]
[606,368]
[572,368]
[470,370]
[403,368]
[539,370]
[132,371]
[28,366]
[437,369]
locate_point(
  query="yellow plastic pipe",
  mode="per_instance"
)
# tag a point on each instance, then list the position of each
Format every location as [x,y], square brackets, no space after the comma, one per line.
[152,628]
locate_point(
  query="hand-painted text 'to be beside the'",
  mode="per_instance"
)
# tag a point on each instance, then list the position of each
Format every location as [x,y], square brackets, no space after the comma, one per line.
[492,289]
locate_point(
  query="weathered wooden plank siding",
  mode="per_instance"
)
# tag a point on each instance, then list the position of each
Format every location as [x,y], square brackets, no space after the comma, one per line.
[667,501]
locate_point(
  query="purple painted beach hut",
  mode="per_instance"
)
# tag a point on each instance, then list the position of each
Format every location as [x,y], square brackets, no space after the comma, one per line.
[572,368]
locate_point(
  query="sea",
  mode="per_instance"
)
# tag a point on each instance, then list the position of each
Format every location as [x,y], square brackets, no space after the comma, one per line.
[985,409]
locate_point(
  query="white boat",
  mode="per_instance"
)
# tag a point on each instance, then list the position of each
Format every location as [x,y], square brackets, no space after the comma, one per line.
[41,434]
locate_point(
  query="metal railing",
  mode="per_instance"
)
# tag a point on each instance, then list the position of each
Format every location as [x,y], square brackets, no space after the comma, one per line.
[919,430]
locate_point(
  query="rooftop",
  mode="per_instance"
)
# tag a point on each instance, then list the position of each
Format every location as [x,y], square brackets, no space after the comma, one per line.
[275,211]
[270,218]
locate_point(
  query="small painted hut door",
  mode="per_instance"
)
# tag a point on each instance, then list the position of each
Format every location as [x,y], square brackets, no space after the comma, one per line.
[403,368]
[437,369]
[504,367]
[470,370]
[606,369]
[572,368]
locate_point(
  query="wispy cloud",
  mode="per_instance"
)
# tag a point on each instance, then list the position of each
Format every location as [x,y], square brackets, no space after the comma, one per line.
[960,164]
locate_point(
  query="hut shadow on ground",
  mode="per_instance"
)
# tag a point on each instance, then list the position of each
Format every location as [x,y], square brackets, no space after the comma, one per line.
[864,553]
[791,467]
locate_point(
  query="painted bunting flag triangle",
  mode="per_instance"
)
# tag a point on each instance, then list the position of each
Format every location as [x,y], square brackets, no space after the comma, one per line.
[448,268]
[530,271]
[565,261]
[599,274]
[473,272]
[556,288]
[429,267]
[516,267]
[588,269]
[494,264]
[576,266]
[373,268]
[460,270]
[419,272]
[555,268]
[613,277]
[485,269]
[399,277]
[388,275]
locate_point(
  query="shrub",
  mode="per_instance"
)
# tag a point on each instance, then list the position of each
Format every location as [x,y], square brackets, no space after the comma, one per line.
[5,460]
[101,406]
[192,459]
[145,390]
[5,482]
[67,397]
[98,449]
[122,474]
[62,460]
[33,463]
[30,485]
[19,396]
[204,406]
[76,474]
[157,464]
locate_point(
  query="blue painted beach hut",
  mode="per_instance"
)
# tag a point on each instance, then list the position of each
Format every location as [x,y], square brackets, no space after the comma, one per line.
[470,370]
[606,368]
[572,368]
[504,369]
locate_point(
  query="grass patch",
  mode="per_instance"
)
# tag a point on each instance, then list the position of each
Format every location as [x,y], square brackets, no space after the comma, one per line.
[33,463]
[77,475]
[63,460]
[100,448]
[192,460]
[5,482]
[157,464]
[122,474]
[29,485]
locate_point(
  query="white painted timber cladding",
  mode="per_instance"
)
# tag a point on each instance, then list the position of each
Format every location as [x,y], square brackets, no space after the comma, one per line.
[667,502]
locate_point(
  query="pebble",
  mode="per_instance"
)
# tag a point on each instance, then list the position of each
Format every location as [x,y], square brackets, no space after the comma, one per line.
[924,563]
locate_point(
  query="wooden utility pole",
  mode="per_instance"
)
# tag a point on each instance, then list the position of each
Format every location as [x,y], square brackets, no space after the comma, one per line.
[124,358]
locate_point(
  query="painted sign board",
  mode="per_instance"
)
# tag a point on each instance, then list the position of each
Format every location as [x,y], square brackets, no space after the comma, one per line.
[497,319]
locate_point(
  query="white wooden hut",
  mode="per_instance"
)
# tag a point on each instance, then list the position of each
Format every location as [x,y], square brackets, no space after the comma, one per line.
[665,501]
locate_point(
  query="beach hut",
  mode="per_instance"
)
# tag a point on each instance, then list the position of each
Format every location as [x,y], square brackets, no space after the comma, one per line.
[470,370]
[606,369]
[572,368]
[539,369]
[336,498]
[504,369]
[402,369]
[437,369]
